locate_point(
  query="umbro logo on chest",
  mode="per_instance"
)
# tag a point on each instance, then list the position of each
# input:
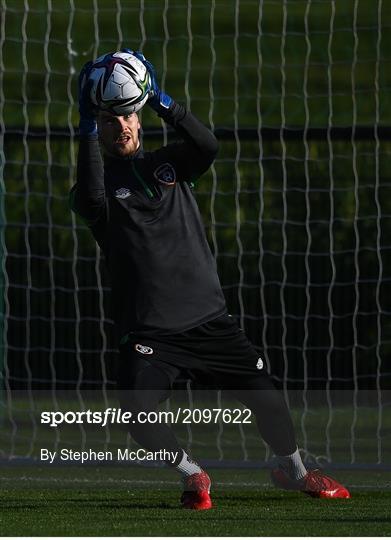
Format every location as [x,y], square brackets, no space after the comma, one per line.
[123,193]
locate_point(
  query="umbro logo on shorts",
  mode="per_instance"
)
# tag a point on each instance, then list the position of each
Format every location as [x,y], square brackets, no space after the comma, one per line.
[260,363]
[143,349]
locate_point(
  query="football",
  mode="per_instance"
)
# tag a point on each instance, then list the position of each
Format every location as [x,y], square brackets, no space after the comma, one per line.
[120,83]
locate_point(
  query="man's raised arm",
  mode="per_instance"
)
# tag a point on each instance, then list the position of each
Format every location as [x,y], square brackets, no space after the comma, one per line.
[87,197]
[200,145]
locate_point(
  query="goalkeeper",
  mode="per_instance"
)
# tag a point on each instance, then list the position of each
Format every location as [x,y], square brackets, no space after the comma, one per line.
[168,304]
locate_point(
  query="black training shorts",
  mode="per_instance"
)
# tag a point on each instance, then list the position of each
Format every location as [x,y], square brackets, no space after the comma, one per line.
[216,353]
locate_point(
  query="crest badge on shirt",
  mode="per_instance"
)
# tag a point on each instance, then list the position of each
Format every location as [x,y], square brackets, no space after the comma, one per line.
[165,174]
[122,193]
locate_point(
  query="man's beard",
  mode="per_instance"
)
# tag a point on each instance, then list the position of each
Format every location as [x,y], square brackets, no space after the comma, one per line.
[122,151]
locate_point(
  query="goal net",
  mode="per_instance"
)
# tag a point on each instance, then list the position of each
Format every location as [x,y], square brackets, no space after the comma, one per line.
[297,207]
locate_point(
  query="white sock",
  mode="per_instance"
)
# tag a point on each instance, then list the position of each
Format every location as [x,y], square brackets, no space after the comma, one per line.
[187,466]
[292,465]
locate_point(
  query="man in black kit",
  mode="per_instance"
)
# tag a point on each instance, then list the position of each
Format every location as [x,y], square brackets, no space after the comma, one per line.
[168,304]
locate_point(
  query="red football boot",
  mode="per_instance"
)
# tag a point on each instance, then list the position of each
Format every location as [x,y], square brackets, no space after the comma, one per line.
[315,484]
[196,494]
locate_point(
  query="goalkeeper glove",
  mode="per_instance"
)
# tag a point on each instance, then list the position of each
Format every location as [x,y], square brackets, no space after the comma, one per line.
[158,100]
[87,123]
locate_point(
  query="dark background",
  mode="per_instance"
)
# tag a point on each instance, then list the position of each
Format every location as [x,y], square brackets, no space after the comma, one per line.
[297,205]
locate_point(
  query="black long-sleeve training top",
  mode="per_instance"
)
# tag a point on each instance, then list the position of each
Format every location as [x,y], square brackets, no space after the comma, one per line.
[143,215]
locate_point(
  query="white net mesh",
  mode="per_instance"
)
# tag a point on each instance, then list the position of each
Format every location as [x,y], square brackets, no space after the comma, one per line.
[296,206]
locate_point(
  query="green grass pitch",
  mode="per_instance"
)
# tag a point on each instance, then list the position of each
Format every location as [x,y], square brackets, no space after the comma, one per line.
[88,501]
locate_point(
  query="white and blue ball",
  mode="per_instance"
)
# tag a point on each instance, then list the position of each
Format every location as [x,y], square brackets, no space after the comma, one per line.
[121,83]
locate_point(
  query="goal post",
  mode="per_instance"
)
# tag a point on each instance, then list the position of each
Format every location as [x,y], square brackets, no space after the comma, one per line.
[296,206]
